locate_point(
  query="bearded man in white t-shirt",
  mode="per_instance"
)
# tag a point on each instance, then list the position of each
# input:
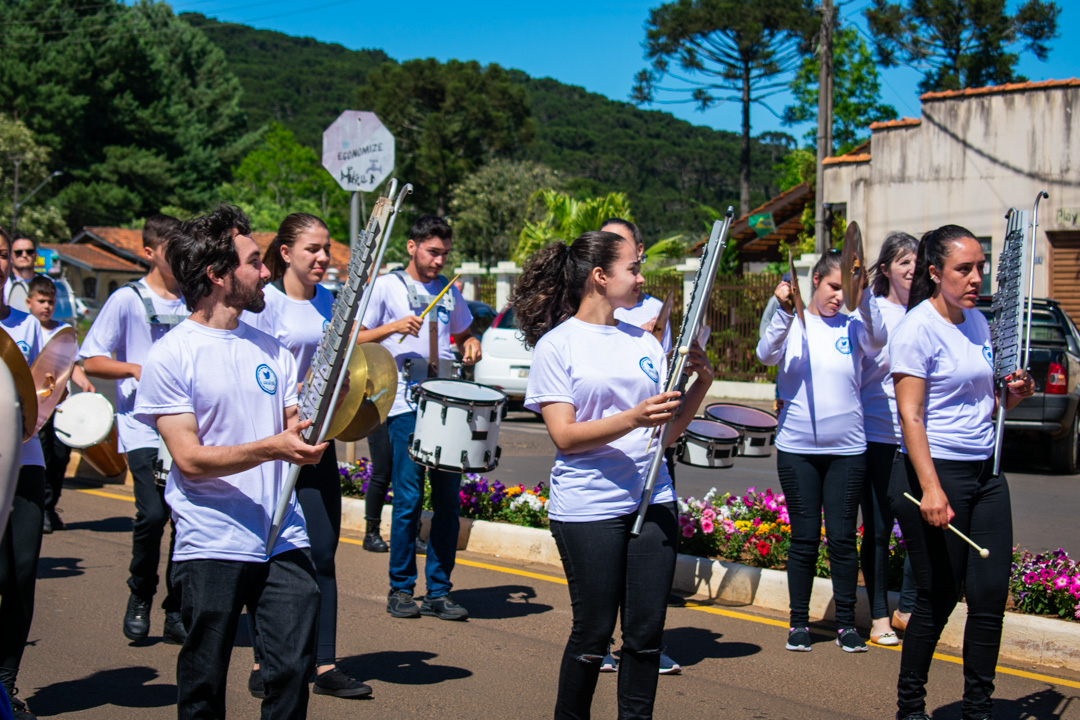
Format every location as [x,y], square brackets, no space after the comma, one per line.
[223,395]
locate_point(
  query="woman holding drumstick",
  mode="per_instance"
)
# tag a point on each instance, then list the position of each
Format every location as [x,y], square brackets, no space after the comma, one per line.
[599,384]
[942,367]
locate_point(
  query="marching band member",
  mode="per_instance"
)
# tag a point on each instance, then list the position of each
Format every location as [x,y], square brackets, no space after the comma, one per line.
[397,300]
[943,369]
[889,287]
[223,395]
[600,408]
[820,443]
[297,311]
[134,318]
[20,547]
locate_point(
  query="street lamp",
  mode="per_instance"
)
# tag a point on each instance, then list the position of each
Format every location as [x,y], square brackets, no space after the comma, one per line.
[16,203]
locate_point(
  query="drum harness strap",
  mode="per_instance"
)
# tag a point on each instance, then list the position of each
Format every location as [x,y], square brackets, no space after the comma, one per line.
[152,315]
[436,367]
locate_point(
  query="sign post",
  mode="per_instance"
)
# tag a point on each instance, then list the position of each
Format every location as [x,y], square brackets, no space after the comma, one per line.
[358,150]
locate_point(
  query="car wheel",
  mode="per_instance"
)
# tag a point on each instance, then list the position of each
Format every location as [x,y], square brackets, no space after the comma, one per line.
[1065,450]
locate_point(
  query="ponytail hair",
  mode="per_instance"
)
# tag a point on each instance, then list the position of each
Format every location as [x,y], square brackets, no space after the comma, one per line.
[290,229]
[933,249]
[895,245]
[550,287]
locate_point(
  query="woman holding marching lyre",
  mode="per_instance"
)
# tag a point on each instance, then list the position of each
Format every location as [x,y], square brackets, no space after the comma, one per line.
[889,287]
[599,385]
[820,443]
[297,311]
[942,366]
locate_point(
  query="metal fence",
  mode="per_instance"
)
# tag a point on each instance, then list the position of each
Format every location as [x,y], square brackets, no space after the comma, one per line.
[485,290]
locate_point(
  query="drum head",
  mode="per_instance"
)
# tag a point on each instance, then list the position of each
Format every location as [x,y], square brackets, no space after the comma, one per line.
[712,430]
[742,416]
[462,391]
[83,420]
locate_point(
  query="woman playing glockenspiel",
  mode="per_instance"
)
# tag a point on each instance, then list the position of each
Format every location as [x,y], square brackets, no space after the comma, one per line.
[942,367]
[599,385]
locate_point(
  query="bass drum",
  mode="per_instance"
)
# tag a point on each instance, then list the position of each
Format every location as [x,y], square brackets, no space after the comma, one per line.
[709,444]
[83,420]
[457,426]
[758,427]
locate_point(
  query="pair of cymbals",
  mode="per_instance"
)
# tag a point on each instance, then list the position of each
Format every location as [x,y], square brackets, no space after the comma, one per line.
[853,271]
[40,386]
[373,380]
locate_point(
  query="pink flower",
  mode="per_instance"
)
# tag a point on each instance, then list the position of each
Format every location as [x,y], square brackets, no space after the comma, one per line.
[709,514]
[728,525]
[707,526]
[688,531]
[1062,582]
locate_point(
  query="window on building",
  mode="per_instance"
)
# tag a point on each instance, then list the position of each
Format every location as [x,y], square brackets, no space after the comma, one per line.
[89,286]
[112,286]
[988,277]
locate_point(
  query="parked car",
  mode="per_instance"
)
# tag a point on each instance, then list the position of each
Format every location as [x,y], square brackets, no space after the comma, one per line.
[506,361]
[1052,414]
[482,317]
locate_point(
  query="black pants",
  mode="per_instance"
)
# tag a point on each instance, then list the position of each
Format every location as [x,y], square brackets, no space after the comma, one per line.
[607,569]
[20,549]
[152,514]
[946,567]
[812,483]
[318,489]
[57,455]
[877,525]
[382,466]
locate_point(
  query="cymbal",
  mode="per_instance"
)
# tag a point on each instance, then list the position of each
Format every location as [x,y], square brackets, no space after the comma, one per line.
[24,383]
[51,371]
[350,404]
[10,440]
[853,276]
[663,317]
[796,295]
[379,392]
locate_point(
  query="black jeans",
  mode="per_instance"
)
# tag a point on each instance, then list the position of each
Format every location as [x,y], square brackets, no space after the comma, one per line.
[20,549]
[57,455]
[812,483]
[607,569]
[152,514]
[946,567]
[877,525]
[382,466]
[283,597]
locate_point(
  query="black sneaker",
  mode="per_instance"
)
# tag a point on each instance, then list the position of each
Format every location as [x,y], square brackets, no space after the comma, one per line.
[914,716]
[340,684]
[55,521]
[373,542]
[19,711]
[174,633]
[421,546]
[798,639]
[443,608]
[137,618]
[46,524]
[255,684]
[400,604]
[850,640]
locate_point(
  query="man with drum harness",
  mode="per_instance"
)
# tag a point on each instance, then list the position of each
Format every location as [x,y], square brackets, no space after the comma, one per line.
[422,349]
[134,318]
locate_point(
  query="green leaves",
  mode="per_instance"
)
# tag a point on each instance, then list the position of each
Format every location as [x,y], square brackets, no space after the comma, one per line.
[566,217]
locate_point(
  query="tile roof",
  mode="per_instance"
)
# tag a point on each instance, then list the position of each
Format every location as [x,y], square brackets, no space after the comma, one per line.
[842,159]
[889,124]
[92,257]
[785,207]
[999,89]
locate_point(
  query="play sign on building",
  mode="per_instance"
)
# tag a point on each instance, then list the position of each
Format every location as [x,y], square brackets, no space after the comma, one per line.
[358,151]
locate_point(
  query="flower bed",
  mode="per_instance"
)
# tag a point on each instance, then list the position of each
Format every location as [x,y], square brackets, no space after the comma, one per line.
[1046,584]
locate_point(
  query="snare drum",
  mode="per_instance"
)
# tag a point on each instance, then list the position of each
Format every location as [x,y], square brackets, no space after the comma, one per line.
[457,425]
[708,443]
[83,420]
[105,457]
[758,427]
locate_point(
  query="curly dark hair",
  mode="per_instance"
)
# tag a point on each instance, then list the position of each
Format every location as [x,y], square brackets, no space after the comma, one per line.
[549,289]
[895,245]
[205,243]
[933,249]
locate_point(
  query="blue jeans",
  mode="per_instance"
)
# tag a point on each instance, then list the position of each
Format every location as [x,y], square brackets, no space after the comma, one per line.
[407,479]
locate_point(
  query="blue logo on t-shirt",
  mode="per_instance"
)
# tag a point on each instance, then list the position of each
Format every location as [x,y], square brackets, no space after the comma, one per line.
[444,314]
[844,345]
[649,369]
[24,348]
[988,353]
[325,324]
[266,378]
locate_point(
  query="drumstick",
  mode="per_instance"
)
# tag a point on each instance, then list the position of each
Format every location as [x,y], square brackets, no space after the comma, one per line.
[432,304]
[983,552]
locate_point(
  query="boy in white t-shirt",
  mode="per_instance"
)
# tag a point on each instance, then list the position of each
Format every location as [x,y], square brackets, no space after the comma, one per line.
[223,396]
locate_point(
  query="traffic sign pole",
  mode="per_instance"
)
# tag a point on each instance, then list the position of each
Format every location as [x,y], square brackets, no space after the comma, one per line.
[354,218]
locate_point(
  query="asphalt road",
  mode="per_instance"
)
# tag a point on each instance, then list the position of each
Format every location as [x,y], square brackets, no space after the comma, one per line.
[502,663]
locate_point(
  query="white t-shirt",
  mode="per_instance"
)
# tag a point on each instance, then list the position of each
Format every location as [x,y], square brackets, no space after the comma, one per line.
[297,324]
[390,302]
[25,330]
[818,382]
[47,335]
[646,309]
[957,362]
[880,420]
[601,370]
[121,329]
[237,384]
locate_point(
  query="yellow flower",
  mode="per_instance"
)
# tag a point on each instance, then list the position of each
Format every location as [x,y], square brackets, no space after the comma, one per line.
[515,490]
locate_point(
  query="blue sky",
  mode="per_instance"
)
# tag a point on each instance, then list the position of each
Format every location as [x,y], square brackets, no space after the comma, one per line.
[592,43]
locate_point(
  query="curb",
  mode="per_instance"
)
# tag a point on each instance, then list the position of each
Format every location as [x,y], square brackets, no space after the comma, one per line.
[1025,638]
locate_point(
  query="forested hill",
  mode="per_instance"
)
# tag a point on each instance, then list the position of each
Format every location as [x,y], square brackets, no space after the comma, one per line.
[667,167]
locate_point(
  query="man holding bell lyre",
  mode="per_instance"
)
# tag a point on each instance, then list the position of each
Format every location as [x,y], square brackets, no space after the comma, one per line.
[420,344]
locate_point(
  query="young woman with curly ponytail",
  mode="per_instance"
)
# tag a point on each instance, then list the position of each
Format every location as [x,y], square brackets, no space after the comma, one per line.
[943,370]
[598,383]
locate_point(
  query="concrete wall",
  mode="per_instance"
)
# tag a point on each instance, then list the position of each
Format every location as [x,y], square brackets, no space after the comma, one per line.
[967,162]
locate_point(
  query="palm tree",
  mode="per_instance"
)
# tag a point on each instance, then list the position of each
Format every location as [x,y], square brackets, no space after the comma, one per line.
[567,217]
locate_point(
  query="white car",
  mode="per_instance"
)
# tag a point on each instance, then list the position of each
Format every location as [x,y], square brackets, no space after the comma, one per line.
[505,361]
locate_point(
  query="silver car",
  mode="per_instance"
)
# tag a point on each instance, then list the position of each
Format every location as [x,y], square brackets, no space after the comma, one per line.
[505,361]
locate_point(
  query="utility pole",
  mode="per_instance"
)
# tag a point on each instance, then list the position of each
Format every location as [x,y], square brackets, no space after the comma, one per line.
[824,119]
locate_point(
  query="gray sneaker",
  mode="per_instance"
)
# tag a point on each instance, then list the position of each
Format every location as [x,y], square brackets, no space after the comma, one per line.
[443,608]
[400,604]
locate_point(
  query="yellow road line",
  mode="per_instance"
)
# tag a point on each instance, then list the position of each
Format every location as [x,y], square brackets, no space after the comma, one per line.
[691,605]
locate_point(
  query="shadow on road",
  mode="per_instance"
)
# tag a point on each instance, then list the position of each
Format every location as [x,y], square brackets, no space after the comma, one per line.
[1048,704]
[690,645]
[123,687]
[59,567]
[500,602]
[402,668]
[119,524]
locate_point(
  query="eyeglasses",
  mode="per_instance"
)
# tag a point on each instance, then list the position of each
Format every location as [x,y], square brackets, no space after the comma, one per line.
[17,253]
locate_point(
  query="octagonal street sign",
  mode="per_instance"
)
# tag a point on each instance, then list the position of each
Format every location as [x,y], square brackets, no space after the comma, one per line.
[358,151]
